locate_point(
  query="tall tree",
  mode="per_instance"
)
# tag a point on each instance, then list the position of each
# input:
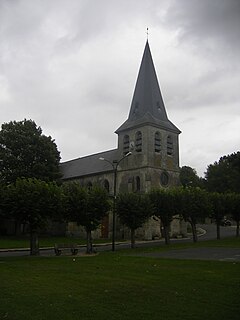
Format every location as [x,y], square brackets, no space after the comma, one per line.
[233,208]
[224,175]
[193,206]
[26,153]
[133,210]
[189,178]
[164,209]
[32,202]
[86,207]
[219,205]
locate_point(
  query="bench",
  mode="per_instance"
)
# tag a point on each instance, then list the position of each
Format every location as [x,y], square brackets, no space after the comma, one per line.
[58,248]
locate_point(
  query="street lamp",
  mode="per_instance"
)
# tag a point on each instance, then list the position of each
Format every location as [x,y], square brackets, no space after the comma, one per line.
[114,165]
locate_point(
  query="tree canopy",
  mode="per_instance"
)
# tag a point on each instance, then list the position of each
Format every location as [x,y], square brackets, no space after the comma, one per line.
[26,153]
[193,205]
[133,210]
[224,175]
[33,202]
[87,207]
[163,208]
[189,178]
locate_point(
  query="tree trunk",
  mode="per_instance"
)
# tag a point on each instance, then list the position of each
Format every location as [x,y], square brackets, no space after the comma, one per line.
[34,245]
[218,230]
[89,242]
[162,231]
[166,234]
[132,238]
[237,230]
[17,228]
[194,231]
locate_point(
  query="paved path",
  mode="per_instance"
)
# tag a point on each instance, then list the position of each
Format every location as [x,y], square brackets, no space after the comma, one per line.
[220,254]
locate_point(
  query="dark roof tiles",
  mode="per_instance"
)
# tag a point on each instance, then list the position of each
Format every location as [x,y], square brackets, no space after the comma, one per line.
[88,165]
[147,104]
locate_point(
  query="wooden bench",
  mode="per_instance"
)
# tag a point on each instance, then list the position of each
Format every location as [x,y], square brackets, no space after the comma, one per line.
[58,248]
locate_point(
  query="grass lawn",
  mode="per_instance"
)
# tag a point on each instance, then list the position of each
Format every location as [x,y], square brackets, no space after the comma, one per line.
[118,286]
[8,242]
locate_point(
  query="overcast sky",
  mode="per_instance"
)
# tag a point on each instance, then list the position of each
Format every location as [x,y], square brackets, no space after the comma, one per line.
[71,66]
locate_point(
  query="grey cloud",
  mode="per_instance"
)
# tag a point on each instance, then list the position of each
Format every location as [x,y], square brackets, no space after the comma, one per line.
[72,65]
[217,21]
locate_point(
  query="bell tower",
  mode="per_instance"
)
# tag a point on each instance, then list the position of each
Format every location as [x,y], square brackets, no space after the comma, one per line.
[148,134]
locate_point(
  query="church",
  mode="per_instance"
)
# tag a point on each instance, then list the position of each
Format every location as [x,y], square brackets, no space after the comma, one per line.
[147,155]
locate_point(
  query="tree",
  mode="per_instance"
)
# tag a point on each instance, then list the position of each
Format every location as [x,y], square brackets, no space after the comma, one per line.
[224,175]
[164,209]
[26,153]
[133,211]
[86,207]
[219,205]
[233,208]
[33,202]
[189,178]
[193,206]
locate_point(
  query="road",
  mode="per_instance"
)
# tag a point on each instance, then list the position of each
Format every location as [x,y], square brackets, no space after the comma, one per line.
[210,233]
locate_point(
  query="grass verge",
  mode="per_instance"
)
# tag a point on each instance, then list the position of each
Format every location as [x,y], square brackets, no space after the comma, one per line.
[9,242]
[118,286]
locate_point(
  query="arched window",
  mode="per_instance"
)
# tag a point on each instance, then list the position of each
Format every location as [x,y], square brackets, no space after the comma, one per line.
[138,184]
[169,145]
[164,179]
[106,185]
[157,141]
[125,144]
[138,143]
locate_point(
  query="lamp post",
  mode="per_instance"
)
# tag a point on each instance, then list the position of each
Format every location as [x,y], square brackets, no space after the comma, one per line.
[114,165]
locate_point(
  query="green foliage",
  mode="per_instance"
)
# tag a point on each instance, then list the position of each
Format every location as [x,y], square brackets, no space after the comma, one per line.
[189,178]
[163,205]
[219,205]
[194,204]
[26,153]
[32,201]
[133,209]
[233,208]
[75,201]
[98,205]
[224,175]
[85,206]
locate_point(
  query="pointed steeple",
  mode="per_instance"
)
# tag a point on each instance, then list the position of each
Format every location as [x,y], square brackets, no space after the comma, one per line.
[147,105]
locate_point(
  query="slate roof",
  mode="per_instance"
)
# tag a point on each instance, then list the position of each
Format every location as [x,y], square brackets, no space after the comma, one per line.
[147,108]
[147,105]
[88,165]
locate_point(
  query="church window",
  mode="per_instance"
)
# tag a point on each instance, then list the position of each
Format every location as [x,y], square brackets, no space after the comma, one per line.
[106,185]
[138,184]
[169,145]
[125,144]
[164,178]
[138,138]
[157,141]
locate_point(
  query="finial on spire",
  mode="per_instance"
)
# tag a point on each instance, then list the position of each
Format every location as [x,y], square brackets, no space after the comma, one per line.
[147,33]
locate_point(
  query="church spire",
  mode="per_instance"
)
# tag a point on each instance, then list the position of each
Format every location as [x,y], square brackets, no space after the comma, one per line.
[147,104]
